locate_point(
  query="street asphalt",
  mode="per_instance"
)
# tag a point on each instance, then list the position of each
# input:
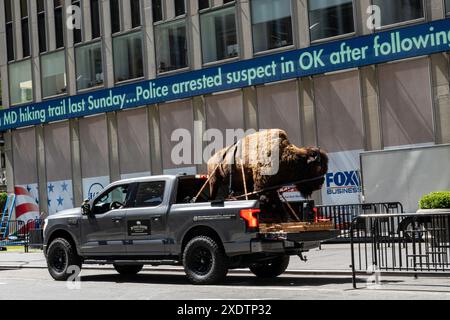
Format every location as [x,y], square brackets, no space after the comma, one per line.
[325,276]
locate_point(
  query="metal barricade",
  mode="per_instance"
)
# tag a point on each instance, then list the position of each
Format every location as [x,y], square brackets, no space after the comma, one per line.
[35,234]
[14,235]
[416,243]
[343,215]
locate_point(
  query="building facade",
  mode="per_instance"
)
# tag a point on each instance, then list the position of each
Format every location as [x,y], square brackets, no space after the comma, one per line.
[393,104]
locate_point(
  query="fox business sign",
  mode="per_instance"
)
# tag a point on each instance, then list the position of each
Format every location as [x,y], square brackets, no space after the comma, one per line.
[343,182]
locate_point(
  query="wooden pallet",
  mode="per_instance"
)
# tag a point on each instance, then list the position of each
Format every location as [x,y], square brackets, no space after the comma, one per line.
[296,227]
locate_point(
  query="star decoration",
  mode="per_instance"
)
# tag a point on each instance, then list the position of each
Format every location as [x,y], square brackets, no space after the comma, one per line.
[51,188]
[64,186]
[60,201]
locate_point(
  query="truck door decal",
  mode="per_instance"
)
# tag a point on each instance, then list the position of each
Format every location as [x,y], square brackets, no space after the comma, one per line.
[139,228]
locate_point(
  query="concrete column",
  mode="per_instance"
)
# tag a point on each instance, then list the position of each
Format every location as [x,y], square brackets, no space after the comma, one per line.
[35,58]
[371,108]
[42,172]
[250,103]
[148,41]
[198,104]
[77,182]
[216,3]
[126,14]
[70,55]
[113,146]
[3,58]
[193,21]
[17,30]
[308,120]
[307,112]
[435,9]
[441,94]
[108,67]
[244,21]
[362,16]
[51,37]
[86,23]
[155,140]
[168,9]
[9,164]
[300,22]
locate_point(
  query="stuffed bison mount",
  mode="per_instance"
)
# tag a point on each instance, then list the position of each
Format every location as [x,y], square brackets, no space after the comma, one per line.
[265,160]
[260,164]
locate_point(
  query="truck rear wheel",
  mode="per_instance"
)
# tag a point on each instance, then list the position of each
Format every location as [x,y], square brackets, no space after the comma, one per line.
[204,261]
[128,270]
[62,259]
[270,269]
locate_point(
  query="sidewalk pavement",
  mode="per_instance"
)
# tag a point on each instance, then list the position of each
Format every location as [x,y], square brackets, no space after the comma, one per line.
[332,258]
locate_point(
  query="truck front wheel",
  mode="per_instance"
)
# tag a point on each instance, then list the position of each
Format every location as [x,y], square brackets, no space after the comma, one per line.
[204,261]
[62,260]
[270,269]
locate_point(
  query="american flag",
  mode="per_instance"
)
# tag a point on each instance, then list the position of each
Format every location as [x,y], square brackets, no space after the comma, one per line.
[26,204]
[59,196]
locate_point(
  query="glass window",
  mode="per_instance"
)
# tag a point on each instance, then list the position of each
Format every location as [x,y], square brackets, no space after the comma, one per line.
[329,18]
[157,10]
[59,25]
[9,30]
[447,6]
[219,39]
[41,26]
[95,18]
[150,194]
[271,24]
[180,8]
[128,63]
[172,46]
[115,16]
[20,82]
[113,199]
[25,29]
[23,8]
[135,13]
[399,10]
[203,4]
[53,69]
[89,66]
[8,11]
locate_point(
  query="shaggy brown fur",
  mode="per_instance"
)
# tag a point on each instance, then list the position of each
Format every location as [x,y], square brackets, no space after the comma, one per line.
[295,164]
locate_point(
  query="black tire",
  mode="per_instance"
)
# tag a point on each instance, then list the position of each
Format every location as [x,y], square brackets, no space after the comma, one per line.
[271,268]
[128,270]
[204,261]
[61,255]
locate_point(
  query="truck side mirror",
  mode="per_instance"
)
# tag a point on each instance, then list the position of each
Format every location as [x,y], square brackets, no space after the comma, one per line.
[86,208]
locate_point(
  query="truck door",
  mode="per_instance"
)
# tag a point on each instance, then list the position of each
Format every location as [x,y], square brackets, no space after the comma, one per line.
[104,231]
[146,220]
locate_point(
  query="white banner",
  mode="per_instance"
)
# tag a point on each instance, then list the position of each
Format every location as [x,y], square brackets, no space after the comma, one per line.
[93,186]
[343,180]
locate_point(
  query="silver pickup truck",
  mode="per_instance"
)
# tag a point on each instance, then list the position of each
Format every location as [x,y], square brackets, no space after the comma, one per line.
[153,221]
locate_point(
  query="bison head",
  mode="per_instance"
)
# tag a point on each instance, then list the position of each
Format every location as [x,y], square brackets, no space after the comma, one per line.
[312,163]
